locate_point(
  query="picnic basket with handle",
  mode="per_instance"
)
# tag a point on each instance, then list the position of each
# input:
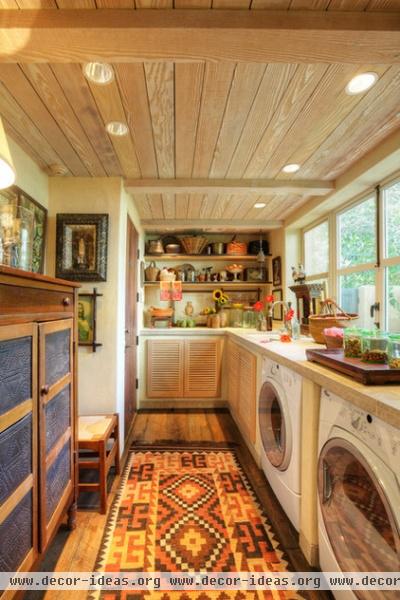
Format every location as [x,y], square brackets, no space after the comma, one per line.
[331,315]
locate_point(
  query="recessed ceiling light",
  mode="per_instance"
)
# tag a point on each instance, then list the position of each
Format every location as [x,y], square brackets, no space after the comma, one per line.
[100,73]
[361,83]
[292,168]
[259,205]
[117,128]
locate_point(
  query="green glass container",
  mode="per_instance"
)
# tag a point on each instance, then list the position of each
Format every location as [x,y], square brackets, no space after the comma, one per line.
[249,317]
[375,347]
[394,351]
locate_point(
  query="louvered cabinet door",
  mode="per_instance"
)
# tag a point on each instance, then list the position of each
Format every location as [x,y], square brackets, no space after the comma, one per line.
[56,422]
[18,448]
[203,368]
[233,353]
[247,392]
[165,368]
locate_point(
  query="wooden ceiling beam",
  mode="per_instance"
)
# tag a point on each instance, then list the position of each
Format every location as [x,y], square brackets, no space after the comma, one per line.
[117,35]
[210,225]
[229,186]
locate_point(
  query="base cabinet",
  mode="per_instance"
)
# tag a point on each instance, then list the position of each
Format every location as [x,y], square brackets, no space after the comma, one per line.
[184,368]
[242,388]
[37,418]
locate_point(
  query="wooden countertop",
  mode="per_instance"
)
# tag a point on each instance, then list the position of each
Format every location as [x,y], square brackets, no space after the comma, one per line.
[383,401]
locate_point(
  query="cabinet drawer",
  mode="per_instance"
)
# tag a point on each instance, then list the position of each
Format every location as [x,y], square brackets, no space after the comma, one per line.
[18,299]
[15,456]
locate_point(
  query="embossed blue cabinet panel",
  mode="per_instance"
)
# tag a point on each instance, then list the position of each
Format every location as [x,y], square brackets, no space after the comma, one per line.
[15,372]
[57,417]
[16,537]
[15,456]
[58,355]
[55,423]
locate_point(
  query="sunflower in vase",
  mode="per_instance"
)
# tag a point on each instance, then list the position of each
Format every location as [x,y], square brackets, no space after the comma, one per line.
[220,299]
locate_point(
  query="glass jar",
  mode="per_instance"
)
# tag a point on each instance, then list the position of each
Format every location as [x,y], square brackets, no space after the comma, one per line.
[249,320]
[353,342]
[394,351]
[236,315]
[375,348]
[224,316]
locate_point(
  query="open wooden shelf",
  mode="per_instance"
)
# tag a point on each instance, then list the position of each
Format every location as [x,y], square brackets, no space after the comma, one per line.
[202,257]
[212,285]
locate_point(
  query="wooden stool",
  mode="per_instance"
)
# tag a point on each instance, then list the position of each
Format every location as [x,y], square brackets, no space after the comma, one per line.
[94,433]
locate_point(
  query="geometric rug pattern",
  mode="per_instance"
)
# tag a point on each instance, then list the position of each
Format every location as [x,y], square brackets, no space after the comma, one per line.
[188,510]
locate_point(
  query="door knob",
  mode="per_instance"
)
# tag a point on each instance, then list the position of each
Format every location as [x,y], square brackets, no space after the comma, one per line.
[44,390]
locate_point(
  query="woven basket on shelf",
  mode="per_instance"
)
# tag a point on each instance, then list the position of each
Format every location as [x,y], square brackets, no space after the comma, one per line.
[331,316]
[194,244]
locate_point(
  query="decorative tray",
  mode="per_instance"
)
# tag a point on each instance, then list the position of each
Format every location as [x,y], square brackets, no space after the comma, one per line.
[366,373]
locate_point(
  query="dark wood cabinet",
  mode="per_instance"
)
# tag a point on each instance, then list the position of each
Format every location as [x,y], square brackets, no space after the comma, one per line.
[37,414]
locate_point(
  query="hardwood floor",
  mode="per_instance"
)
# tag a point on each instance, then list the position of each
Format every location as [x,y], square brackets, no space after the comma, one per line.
[77,550]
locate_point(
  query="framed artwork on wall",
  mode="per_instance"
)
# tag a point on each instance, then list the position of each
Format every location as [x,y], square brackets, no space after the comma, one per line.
[81,247]
[22,230]
[277,313]
[277,271]
[87,319]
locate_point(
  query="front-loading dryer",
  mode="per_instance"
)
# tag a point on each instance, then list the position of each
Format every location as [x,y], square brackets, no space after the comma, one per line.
[279,421]
[359,493]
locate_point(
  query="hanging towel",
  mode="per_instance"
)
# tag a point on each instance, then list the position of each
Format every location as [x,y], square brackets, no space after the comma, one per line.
[165,290]
[176,294]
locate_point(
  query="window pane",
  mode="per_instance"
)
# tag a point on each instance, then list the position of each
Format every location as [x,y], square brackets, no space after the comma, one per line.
[392,219]
[316,249]
[357,234]
[393,298]
[357,294]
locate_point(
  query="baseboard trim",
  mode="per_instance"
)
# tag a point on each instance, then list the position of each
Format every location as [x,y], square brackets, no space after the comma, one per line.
[310,551]
[167,404]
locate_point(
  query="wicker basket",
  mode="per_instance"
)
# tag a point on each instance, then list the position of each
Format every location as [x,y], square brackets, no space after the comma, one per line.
[194,244]
[331,316]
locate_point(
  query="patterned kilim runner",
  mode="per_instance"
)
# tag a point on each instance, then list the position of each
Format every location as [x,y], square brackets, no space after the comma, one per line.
[188,510]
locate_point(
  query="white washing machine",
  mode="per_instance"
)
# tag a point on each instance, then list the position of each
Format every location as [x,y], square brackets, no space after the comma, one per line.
[279,422]
[359,493]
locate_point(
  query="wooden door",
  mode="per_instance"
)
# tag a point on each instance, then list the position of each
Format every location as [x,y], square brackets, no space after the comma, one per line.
[203,368]
[18,448]
[130,325]
[165,368]
[247,393]
[233,366]
[56,423]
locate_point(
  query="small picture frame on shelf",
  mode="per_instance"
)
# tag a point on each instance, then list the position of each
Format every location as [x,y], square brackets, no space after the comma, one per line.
[277,271]
[81,248]
[277,313]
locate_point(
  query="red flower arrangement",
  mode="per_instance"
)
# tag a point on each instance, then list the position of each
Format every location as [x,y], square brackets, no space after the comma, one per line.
[261,304]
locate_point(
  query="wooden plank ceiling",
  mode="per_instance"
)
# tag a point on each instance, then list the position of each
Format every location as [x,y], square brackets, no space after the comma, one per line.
[196,120]
[353,5]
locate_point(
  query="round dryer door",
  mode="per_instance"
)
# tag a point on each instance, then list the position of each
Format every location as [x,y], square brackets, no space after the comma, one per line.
[357,510]
[274,423]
